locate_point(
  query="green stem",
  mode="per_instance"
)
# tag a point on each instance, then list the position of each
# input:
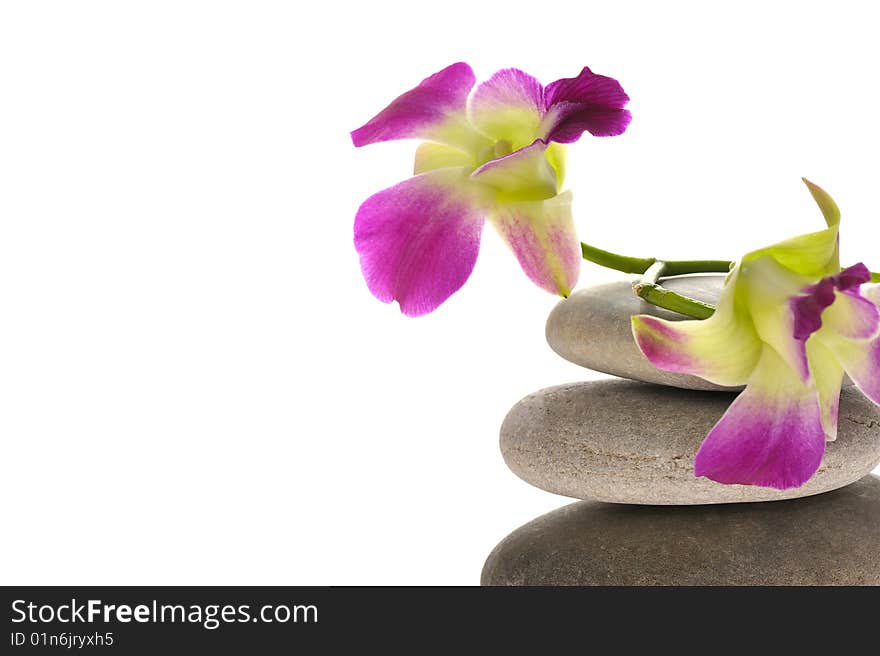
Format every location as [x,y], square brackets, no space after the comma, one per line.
[681,267]
[614,261]
[651,269]
[649,289]
[641,264]
[654,273]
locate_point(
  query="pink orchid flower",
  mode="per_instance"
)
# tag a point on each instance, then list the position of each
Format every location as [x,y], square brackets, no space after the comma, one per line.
[788,324]
[494,152]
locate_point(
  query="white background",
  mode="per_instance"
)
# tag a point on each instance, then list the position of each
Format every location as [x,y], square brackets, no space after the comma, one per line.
[196,386]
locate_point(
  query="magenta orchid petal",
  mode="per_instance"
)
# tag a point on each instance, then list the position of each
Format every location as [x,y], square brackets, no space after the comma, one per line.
[586,103]
[665,345]
[508,106]
[772,434]
[418,241]
[541,235]
[588,88]
[434,110]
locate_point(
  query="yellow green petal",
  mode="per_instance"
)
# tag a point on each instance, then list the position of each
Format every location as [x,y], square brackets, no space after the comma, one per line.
[432,156]
[557,155]
[523,175]
[723,349]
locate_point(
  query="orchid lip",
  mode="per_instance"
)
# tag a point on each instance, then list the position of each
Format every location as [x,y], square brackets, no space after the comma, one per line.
[809,307]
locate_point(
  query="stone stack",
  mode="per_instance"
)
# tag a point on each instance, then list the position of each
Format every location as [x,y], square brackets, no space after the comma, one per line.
[626,447]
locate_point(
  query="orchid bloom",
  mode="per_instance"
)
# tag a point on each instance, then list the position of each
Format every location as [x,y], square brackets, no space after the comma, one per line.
[493,153]
[788,324]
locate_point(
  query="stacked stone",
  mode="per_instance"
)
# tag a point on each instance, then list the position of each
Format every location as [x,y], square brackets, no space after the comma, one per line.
[627,447]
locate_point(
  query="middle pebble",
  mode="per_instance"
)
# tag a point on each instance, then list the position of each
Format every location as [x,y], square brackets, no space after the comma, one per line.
[630,442]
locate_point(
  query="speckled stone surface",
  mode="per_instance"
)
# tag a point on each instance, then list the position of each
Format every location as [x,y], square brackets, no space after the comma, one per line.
[592,328]
[629,442]
[829,539]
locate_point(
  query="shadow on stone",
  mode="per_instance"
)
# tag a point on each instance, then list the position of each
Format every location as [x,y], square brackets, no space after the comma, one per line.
[828,539]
